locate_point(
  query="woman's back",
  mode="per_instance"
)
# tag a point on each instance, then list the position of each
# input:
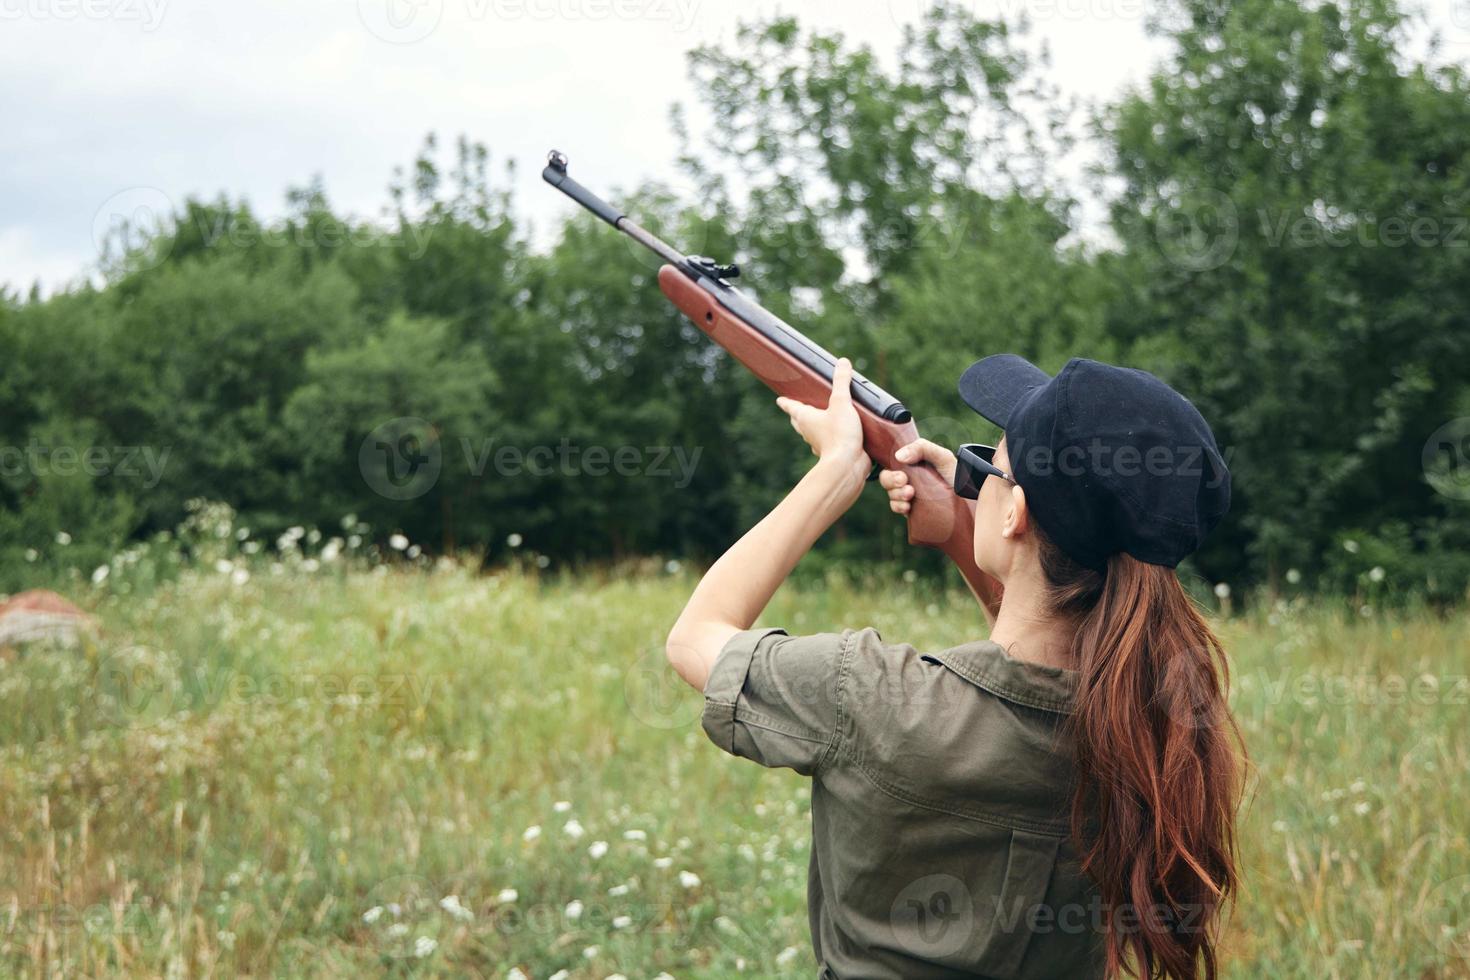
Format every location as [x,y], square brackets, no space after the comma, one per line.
[942,782]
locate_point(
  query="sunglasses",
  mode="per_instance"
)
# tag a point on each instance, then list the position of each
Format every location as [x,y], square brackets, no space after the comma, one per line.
[972,465]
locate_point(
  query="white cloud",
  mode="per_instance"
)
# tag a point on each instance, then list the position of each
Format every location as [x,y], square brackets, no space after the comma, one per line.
[252,96]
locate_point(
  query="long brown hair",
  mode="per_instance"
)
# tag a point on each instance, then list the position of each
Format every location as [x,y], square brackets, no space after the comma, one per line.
[1159,763]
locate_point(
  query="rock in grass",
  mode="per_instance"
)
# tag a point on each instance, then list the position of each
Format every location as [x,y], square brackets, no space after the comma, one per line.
[39,614]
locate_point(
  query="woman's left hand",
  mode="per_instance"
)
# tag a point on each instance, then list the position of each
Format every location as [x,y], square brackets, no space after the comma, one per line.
[835,433]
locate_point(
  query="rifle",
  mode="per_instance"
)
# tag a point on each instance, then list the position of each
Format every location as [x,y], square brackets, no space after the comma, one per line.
[790,364]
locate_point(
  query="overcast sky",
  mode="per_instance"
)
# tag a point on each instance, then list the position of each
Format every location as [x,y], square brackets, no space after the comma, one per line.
[114,105]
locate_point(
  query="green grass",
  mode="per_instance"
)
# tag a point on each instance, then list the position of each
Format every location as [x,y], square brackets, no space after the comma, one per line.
[230,776]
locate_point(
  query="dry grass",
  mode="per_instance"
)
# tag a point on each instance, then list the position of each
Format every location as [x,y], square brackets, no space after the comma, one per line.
[233,776]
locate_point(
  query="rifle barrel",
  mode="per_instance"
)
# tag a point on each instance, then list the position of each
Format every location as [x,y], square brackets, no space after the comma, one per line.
[555,174]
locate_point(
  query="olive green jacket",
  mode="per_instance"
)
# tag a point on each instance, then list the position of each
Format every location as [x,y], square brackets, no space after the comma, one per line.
[941,787]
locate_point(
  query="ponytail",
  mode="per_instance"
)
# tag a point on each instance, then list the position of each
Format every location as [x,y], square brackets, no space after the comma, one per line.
[1157,760]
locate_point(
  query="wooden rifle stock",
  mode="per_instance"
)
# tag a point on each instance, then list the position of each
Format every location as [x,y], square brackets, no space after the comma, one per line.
[938,517]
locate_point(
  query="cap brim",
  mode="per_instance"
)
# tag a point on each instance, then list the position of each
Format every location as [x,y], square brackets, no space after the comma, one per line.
[994,385]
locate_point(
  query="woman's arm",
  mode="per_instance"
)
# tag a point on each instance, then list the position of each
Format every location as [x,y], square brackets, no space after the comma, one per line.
[737,587]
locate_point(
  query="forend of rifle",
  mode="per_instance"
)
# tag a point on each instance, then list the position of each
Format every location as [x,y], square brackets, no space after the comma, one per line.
[791,343]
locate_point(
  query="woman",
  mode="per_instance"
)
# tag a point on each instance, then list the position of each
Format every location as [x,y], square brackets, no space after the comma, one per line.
[1056,801]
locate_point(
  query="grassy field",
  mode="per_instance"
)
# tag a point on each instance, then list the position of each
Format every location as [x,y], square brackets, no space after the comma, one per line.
[350,771]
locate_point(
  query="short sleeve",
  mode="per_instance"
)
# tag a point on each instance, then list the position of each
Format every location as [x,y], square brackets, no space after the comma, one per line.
[776,699]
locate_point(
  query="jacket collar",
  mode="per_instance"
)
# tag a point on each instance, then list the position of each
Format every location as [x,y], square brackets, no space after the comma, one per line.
[988,666]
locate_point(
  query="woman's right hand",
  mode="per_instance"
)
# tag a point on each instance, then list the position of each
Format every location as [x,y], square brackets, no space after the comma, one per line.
[896,482]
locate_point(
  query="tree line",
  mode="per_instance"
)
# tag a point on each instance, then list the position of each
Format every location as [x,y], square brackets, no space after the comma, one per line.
[1286,243]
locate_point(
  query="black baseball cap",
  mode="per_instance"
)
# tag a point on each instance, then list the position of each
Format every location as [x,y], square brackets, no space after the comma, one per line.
[1111,458]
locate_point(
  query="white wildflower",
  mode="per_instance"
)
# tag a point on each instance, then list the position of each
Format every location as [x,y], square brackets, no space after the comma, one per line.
[62,538]
[1377,574]
[398,929]
[414,551]
[573,829]
[561,806]
[622,921]
[452,905]
[1294,576]
[507,895]
[1350,546]
[662,862]
[424,946]
[516,973]
[240,576]
[634,835]
[560,975]
[598,849]
[672,566]
[1362,808]
[688,879]
[373,914]
[397,542]
[573,910]
[32,554]
[787,956]
[332,550]
[100,575]
[224,566]
[1222,591]
[617,891]
[590,953]
[514,540]
[531,833]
